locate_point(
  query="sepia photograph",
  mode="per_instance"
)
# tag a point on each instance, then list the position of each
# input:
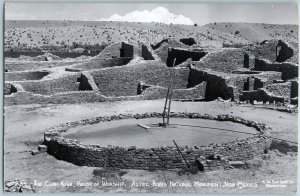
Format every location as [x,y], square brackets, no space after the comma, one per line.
[150,97]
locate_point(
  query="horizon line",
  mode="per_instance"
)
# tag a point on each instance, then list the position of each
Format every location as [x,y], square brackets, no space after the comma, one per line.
[64,20]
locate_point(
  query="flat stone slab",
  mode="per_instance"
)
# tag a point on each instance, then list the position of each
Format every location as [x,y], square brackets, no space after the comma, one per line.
[42,148]
[237,163]
[9,184]
[144,126]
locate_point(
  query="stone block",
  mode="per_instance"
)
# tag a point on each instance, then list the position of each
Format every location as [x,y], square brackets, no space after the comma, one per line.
[237,164]
[10,184]
[42,148]
[35,152]
[132,148]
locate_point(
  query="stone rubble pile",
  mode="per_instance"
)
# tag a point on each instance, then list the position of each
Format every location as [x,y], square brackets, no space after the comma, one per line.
[18,185]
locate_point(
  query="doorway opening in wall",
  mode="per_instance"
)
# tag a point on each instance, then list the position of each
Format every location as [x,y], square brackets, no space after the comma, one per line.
[278,48]
[246,60]
[121,52]
[246,85]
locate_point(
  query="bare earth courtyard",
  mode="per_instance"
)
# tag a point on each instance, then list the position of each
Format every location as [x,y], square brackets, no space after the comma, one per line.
[33,119]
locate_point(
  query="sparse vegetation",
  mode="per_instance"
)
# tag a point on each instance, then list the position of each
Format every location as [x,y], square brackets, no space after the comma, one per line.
[108,172]
[282,146]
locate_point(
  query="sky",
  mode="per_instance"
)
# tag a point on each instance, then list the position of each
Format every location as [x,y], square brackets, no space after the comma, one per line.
[176,13]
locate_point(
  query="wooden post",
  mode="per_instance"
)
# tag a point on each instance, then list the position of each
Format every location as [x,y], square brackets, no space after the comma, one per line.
[188,166]
[169,108]
[165,107]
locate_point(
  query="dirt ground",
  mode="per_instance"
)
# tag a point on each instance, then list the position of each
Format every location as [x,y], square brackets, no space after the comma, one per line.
[24,127]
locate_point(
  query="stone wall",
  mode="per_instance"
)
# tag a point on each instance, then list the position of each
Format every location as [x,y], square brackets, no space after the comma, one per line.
[87,96]
[22,98]
[126,50]
[265,50]
[266,78]
[288,70]
[225,61]
[112,84]
[280,90]
[147,53]
[216,84]
[249,60]
[284,52]
[35,65]
[159,44]
[294,101]
[195,93]
[30,75]
[182,55]
[294,88]
[161,158]
[55,85]
[163,47]
[101,63]
[260,95]
[123,81]
[110,51]
[84,84]
[90,80]
[295,57]
[188,41]
[113,51]
[9,89]
[274,51]
[230,86]
[129,50]
[82,87]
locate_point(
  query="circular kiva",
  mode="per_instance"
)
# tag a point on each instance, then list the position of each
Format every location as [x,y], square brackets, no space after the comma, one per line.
[209,157]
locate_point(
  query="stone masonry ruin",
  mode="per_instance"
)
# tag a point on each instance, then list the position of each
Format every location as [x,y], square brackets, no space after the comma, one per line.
[182,55]
[164,157]
[188,41]
[9,89]
[25,75]
[284,52]
[265,73]
[124,71]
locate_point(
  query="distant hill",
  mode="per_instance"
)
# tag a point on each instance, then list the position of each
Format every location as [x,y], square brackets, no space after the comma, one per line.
[59,33]
[63,35]
[258,32]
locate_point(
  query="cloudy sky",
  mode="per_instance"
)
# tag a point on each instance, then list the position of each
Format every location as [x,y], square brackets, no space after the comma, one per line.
[176,13]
